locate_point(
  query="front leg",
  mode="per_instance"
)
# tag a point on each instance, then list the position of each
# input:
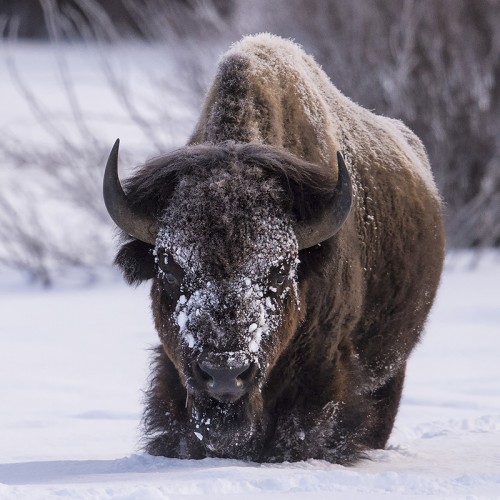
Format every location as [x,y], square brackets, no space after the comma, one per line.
[386,403]
[174,441]
[167,426]
[334,433]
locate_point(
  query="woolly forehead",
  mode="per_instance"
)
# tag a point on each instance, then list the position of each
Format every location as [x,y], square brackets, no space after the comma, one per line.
[223,222]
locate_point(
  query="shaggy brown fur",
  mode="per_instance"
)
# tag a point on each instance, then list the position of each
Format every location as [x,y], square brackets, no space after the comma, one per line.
[331,371]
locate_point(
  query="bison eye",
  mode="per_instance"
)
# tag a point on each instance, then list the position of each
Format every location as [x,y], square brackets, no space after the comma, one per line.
[280,279]
[170,274]
[170,278]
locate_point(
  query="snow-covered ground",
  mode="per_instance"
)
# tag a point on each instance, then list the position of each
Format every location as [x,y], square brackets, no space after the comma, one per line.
[74,360]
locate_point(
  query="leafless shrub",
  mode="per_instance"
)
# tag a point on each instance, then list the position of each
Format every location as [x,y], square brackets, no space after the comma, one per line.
[434,64]
[48,185]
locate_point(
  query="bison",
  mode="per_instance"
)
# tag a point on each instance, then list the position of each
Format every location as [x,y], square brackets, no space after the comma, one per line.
[295,246]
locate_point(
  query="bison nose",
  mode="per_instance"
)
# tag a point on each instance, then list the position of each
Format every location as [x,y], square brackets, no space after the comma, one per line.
[225,383]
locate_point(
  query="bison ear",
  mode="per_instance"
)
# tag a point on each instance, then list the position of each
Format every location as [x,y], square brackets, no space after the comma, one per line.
[136,261]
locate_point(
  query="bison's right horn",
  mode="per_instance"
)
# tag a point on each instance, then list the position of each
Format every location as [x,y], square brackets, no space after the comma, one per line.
[311,233]
[119,207]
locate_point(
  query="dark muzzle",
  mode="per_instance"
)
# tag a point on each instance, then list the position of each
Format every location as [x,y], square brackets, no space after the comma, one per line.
[225,382]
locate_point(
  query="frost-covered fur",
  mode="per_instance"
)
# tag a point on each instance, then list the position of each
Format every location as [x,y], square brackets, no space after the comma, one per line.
[328,329]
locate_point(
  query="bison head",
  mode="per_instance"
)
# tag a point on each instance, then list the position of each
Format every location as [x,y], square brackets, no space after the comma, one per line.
[219,230]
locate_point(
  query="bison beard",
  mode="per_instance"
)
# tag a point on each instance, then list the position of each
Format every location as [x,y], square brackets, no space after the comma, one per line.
[288,286]
[233,430]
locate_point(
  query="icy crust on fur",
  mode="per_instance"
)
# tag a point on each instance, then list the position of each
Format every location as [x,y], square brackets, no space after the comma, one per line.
[229,313]
[278,62]
[255,301]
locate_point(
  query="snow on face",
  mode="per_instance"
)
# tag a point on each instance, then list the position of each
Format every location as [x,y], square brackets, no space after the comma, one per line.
[239,265]
[245,304]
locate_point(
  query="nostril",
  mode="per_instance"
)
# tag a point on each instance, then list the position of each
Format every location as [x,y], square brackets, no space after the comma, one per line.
[247,374]
[202,374]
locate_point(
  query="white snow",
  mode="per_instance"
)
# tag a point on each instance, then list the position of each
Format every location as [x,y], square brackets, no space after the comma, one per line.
[100,76]
[124,91]
[74,361]
[182,320]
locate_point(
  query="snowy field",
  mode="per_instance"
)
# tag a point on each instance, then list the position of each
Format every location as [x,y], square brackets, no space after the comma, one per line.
[74,361]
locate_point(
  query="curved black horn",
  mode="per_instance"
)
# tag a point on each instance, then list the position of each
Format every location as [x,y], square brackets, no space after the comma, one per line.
[119,208]
[311,233]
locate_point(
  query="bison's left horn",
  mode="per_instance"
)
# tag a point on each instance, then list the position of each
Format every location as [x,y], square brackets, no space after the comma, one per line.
[312,233]
[119,207]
